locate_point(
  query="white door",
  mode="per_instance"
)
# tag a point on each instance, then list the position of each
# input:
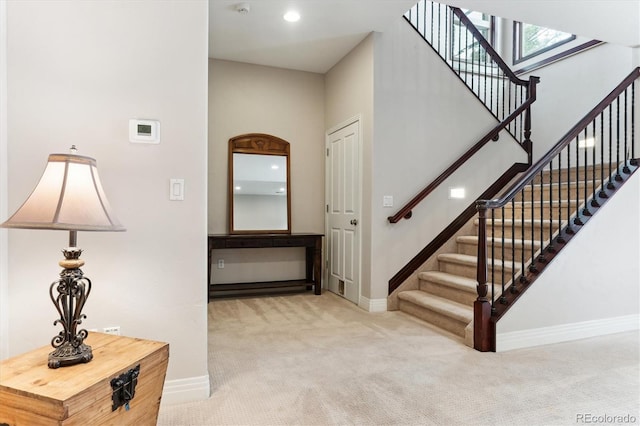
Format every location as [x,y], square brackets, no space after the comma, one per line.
[343,211]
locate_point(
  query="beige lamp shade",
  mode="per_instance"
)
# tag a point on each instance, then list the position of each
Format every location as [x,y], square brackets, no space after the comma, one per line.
[69,197]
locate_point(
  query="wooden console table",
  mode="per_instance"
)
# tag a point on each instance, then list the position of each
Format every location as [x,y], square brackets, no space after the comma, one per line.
[313,259]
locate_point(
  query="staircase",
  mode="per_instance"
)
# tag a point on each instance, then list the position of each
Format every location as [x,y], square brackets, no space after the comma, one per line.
[446,295]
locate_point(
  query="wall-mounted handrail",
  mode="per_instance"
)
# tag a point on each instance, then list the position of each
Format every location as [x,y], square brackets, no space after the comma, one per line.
[406,211]
[554,198]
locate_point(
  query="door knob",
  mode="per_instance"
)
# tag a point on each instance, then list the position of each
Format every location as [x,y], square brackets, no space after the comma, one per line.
[354,222]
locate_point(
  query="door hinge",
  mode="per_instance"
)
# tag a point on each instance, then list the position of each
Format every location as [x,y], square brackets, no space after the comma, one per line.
[327,152]
[327,208]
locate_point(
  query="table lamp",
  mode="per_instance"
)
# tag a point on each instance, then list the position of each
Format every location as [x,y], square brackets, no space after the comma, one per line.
[68,197]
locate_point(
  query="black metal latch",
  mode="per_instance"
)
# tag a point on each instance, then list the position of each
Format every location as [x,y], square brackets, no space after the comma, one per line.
[124,388]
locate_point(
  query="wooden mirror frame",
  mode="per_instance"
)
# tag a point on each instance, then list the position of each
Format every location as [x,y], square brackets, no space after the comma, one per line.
[258,143]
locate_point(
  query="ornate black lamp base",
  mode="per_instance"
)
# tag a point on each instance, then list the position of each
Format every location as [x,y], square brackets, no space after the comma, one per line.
[69,294]
[67,354]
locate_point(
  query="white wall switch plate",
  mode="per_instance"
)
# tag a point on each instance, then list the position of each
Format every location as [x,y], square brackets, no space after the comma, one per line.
[176,190]
[387,201]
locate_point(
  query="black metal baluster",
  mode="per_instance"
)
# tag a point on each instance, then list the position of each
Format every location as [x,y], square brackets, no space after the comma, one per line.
[594,198]
[485,77]
[585,210]
[634,162]
[432,26]
[569,227]
[578,220]
[520,120]
[550,247]
[618,177]
[532,266]
[610,184]
[541,258]
[439,26]
[602,194]
[503,298]
[459,46]
[493,256]
[523,278]
[560,238]
[626,168]
[513,245]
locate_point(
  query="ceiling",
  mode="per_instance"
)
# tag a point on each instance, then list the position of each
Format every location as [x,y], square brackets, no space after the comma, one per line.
[329,29]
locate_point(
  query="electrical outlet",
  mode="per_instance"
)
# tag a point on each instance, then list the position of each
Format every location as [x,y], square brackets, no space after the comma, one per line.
[115,330]
[220,263]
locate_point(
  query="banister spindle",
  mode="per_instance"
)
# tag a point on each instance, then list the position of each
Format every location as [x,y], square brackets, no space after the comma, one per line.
[585,210]
[602,193]
[513,245]
[626,168]
[610,184]
[560,238]
[532,266]
[523,278]
[578,220]
[541,257]
[618,177]
[633,124]
[550,247]
[569,223]
[503,298]
[594,199]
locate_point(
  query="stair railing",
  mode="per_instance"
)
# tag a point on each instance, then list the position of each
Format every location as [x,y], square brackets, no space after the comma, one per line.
[520,232]
[460,44]
[453,36]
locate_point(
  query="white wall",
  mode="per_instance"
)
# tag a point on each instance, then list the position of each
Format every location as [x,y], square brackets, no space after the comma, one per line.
[590,288]
[77,72]
[289,104]
[4,280]
[425,119]
[563,101]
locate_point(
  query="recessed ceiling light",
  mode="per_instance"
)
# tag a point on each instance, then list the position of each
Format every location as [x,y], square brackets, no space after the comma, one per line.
[291,16]
[275,167]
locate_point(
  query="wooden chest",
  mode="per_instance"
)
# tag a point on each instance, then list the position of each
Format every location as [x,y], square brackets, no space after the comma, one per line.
[32,394]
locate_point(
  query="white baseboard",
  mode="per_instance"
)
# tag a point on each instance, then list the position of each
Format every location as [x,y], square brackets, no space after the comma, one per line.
[565,332]
[186,390]
[373,305]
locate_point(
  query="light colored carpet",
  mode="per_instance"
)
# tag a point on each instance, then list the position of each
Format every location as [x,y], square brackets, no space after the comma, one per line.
[320,360]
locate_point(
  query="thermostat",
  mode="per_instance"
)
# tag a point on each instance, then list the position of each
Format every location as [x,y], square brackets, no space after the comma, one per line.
[144,131]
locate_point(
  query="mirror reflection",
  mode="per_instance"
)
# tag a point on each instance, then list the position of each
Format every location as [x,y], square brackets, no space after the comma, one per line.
[259,186]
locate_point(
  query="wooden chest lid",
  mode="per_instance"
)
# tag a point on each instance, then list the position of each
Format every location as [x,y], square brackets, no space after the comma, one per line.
[28,375]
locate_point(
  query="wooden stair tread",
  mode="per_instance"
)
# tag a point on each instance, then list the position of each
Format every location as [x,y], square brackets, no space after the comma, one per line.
[517,222]
[438,304]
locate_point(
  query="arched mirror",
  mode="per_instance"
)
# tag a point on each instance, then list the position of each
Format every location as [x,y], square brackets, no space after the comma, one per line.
[259,185]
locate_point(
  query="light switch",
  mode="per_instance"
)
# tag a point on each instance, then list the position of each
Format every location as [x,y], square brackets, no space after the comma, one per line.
[176,190]
[387,201]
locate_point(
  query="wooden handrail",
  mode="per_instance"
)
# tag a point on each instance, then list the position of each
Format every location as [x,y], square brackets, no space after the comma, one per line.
[487,46]
[562,143]
[406,211]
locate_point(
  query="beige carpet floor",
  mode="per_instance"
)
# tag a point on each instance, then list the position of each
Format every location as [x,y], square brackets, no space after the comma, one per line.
[320,360]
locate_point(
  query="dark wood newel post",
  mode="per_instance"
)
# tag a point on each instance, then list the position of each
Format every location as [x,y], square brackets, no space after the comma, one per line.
[482,307]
